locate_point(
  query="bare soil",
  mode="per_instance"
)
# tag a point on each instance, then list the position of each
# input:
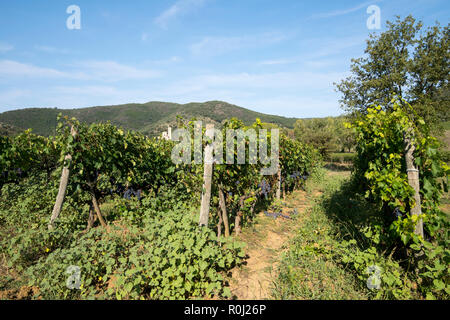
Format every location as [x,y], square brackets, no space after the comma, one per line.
[266,241]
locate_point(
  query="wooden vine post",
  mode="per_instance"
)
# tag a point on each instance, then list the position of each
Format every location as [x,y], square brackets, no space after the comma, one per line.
[62,184]
[278,194]
[239,215]
[223,209]
[207,177]
[219,224]
[413,179]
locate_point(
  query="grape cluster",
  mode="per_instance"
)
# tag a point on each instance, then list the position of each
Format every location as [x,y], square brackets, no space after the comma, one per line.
[397,213]
[15,173]
[127,193]
[276,215]
[297,175]
[131,192]
[265,188]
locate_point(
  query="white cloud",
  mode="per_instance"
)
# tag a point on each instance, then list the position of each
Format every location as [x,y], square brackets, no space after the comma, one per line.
[170,60]
[17,69]
[179,8]
[279,80]
[297,93]
[112,71]
[107,71]
[295,106]
[220,45]
[5,47]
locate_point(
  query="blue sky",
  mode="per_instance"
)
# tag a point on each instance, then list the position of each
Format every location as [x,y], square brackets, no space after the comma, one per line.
[277,57]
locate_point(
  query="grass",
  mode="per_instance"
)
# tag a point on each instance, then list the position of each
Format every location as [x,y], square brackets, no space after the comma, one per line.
[446,125]
[342,157]
[306,272]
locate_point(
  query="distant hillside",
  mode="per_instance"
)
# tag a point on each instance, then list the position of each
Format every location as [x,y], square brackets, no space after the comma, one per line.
[150,118]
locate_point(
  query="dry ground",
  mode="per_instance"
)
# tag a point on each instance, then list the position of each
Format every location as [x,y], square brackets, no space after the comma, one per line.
[266,241]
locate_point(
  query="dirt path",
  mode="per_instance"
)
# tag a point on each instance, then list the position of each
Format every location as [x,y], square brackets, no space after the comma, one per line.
[266,240]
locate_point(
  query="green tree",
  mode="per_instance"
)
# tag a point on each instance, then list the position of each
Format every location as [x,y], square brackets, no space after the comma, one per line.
[406,61]
[345,136]
[319,132]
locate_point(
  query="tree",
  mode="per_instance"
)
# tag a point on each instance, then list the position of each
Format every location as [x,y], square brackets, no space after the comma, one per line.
[320,133]
[406,61]
[345,136]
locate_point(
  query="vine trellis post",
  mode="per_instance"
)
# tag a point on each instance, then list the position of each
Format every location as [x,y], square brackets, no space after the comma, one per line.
[207,176]
[62,184]
[223,211]
[278,194]
[413,178]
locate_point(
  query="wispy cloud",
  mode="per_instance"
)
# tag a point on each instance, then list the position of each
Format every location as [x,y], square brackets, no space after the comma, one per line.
[52,50]
[18,69]
[166,61]
[106,71]
[5,47]
[220,45]
[180,7]
[344,11]
[294,93]
[144,37]
[113,71]
[283,80]
[276,62]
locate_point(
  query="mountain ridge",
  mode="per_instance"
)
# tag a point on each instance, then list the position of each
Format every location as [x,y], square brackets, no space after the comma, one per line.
[150,118]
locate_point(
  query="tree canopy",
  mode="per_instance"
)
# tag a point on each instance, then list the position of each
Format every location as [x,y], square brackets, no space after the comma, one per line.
[407,61]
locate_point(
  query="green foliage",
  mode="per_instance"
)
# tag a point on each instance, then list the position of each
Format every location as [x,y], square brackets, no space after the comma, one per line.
[310,269]
[25,154]
[152,247]
[325,134]
[170,258]
[412,64]
[404,60]
[380,173]
[342,157]
[321,133]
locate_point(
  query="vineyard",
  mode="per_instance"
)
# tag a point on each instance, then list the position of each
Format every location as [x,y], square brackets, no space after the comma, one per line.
[129,215]
[127,225]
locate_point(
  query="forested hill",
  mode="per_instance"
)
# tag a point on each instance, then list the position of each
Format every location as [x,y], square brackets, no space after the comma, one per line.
[150,118]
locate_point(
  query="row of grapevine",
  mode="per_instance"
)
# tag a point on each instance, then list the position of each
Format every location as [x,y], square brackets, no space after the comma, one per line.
[151,246]
[398,169]
[104,159]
